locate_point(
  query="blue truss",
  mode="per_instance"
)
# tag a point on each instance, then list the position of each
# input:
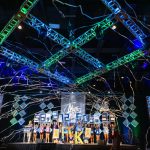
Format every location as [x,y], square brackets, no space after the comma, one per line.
[32,65]
[49,32]
[53,35]
[18,58]
[126,20]
[88,58]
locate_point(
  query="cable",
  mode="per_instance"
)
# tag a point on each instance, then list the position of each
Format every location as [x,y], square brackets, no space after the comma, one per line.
[78,6]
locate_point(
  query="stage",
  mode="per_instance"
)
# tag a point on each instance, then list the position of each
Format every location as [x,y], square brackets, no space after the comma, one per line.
[52,146]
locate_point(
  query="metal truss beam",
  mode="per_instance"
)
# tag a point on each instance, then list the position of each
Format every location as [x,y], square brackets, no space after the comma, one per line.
[16,19]
[42,28]
[91,33]
[32,65]
[110,66]
[126,20]
[89,58]
[68,46]
[55,58]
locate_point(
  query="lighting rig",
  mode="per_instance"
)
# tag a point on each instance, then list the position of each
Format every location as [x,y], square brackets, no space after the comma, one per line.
[118,15]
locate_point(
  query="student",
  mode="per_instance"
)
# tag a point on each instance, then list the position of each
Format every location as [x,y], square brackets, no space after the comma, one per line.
[105,130]
[35,132]
[42,132]
[86,139]
[55,126]
[29,133]
[66,133]
[92,134]
[48,128]
[97,132]
[79,128]
[60,131]
[71,134]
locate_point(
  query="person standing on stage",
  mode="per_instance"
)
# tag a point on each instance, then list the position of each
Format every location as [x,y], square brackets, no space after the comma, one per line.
[92,134]
[55,126]
[71,134]
[41,132]
[105,130]
[79,128]
[60,132]
[97,132]
[29,133]
[66,133]
[35,132]
[48,128]
[116,138]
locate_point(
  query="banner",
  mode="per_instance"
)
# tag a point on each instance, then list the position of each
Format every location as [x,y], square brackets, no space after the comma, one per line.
[55,133]
[72,103]
[87,133]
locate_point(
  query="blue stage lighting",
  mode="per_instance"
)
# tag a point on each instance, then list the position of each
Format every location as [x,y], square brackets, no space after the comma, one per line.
[137,44]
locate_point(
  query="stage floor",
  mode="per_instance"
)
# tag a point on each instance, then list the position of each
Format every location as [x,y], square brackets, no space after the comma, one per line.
[52,146]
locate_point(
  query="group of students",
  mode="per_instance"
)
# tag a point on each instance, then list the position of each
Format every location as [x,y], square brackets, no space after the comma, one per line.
[103,131]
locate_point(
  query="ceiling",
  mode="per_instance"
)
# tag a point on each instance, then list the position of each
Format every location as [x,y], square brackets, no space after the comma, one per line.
[110,46]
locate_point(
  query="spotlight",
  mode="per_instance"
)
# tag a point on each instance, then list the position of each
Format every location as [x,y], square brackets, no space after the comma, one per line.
[89,92]
[122,77]
[145,65]
[94,85]
[108,92]
[41,92]
[20,27]
[114,27]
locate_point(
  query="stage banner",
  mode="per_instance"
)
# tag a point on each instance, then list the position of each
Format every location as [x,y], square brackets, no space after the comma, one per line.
[73,103]
[87,133]
[55,133]
[1,101]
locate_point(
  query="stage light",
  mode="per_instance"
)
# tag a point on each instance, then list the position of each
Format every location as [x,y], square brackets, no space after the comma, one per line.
[137,44]
[20,27]
[114,27]
[72,92]
[122,77]
[108,92]
[145,65]
[89,92]
[94,85]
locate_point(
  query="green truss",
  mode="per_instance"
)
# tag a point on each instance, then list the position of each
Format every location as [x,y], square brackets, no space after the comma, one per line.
[78,42]
[110,66]
[16,19]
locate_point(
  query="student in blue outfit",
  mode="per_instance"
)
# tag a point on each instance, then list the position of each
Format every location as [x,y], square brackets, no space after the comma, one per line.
[97,132]
[66,134]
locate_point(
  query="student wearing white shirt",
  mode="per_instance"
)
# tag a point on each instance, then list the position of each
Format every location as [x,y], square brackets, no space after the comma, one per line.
[105,130]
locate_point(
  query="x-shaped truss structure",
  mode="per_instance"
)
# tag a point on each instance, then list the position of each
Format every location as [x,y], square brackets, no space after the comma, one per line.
[118,14]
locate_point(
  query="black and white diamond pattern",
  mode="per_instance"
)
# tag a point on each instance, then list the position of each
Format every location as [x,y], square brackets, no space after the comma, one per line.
[129,111]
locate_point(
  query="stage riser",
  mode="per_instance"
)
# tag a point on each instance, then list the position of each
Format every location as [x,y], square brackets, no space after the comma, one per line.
[51,146]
